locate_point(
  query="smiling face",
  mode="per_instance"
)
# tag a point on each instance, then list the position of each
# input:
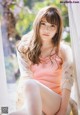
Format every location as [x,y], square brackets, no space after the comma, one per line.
[47,30]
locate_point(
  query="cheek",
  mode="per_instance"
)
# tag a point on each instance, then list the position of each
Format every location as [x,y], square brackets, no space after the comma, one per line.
[40,31]
[53,34]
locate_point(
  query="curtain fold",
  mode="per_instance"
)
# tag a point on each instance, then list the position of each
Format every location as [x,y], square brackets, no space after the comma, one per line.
[4,101]
[74,23]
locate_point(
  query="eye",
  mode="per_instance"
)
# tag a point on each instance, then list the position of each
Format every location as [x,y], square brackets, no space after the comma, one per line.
[42,23]
[52,25]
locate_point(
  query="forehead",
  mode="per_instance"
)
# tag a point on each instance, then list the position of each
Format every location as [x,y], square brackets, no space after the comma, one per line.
[45,21]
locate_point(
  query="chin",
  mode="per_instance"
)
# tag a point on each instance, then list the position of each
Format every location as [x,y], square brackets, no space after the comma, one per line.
[46,39]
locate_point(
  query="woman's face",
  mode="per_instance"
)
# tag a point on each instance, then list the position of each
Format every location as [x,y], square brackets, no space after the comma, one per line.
[47,30]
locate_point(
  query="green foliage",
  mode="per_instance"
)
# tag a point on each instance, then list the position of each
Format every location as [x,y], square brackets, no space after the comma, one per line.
[56,3]
[24,22]
[67,39]
[26,18]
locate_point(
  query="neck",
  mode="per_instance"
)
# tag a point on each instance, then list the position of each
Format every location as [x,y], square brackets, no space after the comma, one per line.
[46,45]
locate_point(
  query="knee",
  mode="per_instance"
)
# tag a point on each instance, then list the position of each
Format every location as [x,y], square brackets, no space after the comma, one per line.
[30,85]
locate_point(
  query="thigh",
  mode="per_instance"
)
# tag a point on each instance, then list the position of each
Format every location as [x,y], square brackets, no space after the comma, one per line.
[50,99]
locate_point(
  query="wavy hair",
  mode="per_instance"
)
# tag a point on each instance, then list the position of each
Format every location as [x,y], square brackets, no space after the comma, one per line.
[52,16]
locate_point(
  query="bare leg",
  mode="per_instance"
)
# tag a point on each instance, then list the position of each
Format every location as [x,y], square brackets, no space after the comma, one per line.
[39,98]
[33,101]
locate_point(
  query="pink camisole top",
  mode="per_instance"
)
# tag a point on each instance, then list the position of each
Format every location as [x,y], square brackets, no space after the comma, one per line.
[49,72]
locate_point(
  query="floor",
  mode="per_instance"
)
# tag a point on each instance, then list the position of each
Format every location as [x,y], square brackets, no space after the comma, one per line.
[12,97]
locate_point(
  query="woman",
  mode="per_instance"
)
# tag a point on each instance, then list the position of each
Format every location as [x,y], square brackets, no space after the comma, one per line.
[46,67]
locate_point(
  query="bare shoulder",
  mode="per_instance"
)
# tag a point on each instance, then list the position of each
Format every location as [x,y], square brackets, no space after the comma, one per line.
[24,42]
[65,51]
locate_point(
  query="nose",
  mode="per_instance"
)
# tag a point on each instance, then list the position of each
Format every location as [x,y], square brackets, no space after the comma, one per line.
[47,27]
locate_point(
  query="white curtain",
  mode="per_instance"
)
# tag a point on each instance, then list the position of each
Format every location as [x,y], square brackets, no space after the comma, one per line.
[3,85]
[74,22]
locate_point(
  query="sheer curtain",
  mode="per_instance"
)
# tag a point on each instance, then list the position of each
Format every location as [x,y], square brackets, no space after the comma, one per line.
[3,85]
[74,22]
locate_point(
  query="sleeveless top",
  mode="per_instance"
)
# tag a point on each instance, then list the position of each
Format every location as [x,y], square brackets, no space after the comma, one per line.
[49,72]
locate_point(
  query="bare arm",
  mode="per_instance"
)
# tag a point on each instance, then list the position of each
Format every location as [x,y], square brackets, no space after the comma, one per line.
[65,101]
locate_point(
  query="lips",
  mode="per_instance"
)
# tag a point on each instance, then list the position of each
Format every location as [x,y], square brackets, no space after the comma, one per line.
[45,35]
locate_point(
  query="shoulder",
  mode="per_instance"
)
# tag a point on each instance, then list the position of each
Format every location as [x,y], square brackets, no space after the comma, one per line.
[23,44]
[66,52]
[27,36]
[22,47]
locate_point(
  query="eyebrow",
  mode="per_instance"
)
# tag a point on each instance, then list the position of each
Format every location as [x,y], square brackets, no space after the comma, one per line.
[49,23]
[43,21]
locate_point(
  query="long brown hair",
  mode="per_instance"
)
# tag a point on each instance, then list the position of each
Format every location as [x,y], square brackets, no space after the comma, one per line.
[52,15]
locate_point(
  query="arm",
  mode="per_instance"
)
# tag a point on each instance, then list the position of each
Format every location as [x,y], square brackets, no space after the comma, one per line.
[23,62]
[67,78]
[65,101]
[23,66]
